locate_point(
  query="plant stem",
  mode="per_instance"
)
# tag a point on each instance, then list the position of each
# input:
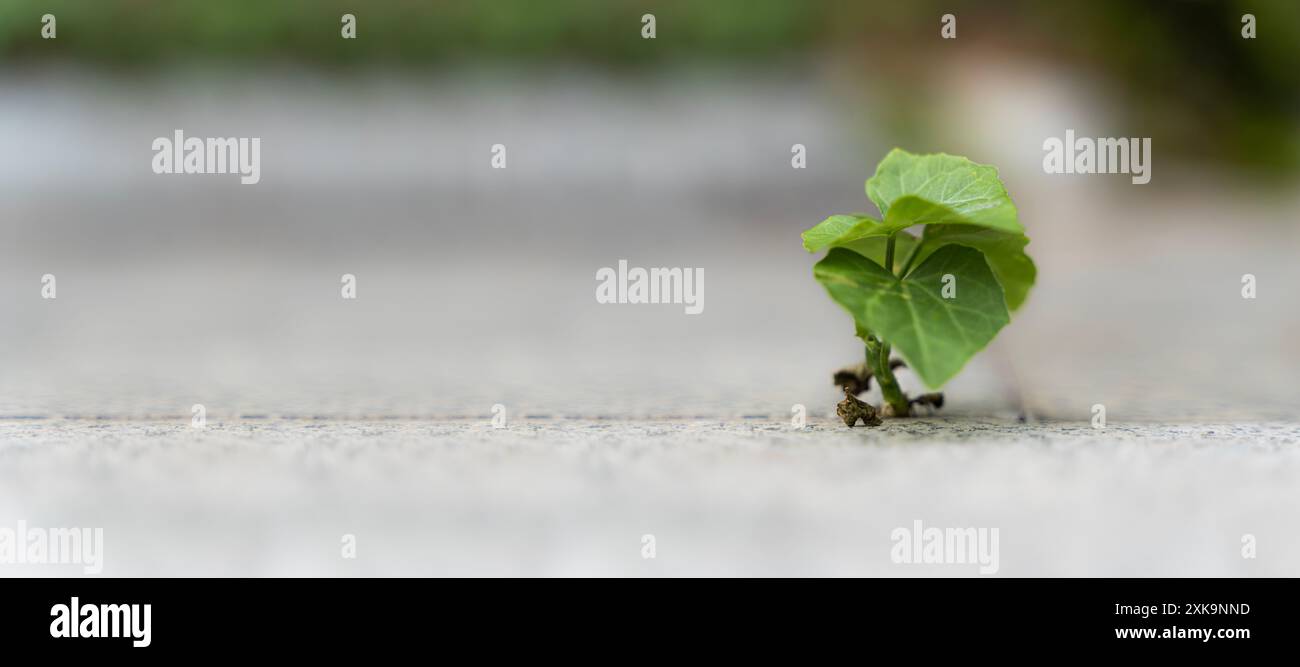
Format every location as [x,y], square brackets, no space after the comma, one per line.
[889,387]
[878,361]
[878,355]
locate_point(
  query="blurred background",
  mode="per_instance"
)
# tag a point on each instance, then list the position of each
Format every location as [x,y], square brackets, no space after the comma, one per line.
[476,285]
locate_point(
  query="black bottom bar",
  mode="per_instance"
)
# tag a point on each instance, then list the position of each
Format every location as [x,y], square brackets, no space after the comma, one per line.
[797,619]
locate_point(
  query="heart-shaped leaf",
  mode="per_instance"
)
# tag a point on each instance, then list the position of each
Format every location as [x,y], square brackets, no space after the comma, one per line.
[935,332]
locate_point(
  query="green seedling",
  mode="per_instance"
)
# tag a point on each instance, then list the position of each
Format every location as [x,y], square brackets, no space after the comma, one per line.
[936,298]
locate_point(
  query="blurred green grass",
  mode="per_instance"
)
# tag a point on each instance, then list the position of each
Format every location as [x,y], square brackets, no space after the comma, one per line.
[405,31]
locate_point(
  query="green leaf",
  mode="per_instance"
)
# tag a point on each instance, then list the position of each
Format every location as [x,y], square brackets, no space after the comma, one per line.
[826,232]
[1005,253]
[857,233]
[914,189]
[936,336]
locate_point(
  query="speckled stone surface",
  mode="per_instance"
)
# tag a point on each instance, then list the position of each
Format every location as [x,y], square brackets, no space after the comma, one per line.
[575,496]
